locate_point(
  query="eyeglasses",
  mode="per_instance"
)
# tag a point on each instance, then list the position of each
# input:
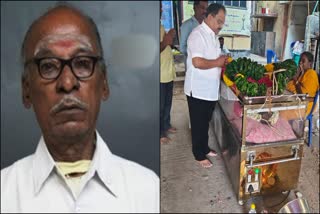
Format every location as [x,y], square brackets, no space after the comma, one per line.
[50,68]
[220,22]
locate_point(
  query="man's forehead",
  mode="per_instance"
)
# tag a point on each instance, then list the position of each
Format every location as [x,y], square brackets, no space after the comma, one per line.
[62,26]
[221,14]
[64,41]
[65,36]
[204,3]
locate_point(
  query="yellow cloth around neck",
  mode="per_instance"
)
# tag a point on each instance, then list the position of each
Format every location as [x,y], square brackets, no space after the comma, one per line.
[81,166]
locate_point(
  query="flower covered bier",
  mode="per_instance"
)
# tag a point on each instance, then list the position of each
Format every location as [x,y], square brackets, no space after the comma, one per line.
[253,79]
[248,76]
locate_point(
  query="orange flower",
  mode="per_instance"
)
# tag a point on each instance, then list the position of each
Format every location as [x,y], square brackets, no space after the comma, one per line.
[269,67]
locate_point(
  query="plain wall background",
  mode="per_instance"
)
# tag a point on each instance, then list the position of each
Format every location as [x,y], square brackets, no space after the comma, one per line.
[128,120]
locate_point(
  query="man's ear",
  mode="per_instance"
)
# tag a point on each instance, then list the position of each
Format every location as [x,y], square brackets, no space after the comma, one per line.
[212,15]
[105,88]
[26,98]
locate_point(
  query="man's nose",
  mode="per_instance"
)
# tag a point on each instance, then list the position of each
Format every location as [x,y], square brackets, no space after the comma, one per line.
[67,81]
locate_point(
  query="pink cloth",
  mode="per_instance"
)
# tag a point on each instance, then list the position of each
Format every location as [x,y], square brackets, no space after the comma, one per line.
[237,108]
[260,133]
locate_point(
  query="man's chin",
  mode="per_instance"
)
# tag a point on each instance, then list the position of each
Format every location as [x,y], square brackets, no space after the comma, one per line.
[70,131]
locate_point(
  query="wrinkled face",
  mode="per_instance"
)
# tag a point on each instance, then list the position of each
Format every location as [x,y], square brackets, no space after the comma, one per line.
[65,107]
[200,10]
[306,64]
[216,22]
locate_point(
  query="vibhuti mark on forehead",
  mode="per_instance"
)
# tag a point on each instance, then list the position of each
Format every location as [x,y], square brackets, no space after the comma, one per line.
[63,40]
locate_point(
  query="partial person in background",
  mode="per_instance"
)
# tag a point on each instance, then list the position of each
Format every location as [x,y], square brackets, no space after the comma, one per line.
[224,49]
[202,81]
[167,75]
[72,170]
[199,8]
[305,81]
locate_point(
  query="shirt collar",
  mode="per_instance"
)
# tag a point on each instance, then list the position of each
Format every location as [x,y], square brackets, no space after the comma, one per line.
[102,164]
[43,165]
[194,19]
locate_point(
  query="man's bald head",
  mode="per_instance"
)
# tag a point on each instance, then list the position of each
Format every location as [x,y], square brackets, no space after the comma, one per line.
[61,21]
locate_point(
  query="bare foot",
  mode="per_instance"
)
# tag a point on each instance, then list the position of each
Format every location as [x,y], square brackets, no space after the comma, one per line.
[205,163]
[212,153]
[165,140]
[172,130]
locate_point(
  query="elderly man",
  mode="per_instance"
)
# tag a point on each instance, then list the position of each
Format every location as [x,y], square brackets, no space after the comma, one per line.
[203,79]
[72,170]
[199,8]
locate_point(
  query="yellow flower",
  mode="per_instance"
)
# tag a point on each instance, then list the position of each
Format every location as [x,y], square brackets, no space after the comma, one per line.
[227,81]
[269,67]
[238,74]
[230,59]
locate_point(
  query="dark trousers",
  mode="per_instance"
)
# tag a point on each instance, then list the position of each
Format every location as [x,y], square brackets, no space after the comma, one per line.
[200,112]
[166,91]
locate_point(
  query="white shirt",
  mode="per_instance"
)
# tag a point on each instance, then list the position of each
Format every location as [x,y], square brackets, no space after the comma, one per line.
[225,50]
[112,185]
[204,84]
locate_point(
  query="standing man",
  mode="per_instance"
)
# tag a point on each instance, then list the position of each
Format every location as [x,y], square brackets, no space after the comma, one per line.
[167,75]
[224,49]
[203,79]
[72,170]
[199,8]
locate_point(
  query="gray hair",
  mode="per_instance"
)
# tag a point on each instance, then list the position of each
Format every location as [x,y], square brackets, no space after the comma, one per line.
[62,4]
